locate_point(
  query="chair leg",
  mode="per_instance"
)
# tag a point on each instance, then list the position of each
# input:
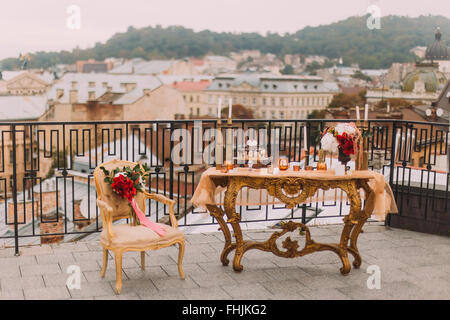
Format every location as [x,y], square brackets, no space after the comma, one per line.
[180,259]
[143,260]
[118,258]
[105,262]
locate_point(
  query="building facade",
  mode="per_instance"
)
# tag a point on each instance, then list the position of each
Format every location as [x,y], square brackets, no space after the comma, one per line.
[269,97]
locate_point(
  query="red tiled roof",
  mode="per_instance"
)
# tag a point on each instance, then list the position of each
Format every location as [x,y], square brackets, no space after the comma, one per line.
[191,85]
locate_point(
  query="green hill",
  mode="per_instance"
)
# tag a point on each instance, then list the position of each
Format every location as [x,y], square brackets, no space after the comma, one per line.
[349,38]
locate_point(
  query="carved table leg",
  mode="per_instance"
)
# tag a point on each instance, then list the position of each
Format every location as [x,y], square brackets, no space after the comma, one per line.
[353,248]
[349,224]
[218,213]
[234,219]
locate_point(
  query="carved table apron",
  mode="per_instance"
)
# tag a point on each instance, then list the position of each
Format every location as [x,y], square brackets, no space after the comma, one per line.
[291,191]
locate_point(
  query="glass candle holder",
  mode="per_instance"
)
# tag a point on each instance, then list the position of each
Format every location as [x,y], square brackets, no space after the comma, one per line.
[295,166]
[229,165]
[283,163]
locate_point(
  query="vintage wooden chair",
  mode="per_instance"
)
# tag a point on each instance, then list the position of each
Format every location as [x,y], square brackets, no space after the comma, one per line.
[123,237]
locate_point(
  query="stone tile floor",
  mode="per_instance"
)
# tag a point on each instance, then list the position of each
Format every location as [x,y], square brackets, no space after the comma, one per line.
[413,266]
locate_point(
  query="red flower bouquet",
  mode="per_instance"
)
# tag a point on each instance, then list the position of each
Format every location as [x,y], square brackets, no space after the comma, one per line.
[126,183]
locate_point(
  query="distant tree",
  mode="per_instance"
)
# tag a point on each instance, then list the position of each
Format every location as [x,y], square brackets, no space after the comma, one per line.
[346,100]
[359,75]
[238,111]
[288,69]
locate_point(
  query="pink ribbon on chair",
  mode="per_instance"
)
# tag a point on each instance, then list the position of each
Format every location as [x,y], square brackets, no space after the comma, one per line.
[146,222]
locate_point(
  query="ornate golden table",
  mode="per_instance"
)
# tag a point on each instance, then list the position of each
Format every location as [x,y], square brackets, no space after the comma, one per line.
[292,189]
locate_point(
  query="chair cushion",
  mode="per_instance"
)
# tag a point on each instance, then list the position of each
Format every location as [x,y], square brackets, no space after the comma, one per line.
[139,236]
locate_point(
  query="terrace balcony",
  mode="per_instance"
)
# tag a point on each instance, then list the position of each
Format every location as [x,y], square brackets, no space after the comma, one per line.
[50,220]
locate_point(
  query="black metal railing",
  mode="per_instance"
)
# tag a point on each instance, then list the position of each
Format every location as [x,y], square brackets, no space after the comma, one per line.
[48,190]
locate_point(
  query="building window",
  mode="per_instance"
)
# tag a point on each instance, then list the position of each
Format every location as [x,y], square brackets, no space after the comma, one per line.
[282,102]
[220,85]
[263,114]
[209,110]
[198,111]
[190,111]
[273,102]
[273,114]
[191,99]
[244,101]
[264,101]
[281,115]
[254,101]
[234,100]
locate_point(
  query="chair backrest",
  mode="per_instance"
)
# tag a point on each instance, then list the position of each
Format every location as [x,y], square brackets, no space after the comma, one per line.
[105,193]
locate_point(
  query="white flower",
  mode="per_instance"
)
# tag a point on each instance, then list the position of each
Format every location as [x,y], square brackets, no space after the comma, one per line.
[345,127]
[329,143]
[119,174]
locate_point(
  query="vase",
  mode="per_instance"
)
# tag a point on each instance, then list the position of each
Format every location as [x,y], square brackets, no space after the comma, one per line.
[344,159]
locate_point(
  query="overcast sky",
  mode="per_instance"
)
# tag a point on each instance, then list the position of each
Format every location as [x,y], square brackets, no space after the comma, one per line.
[33,25]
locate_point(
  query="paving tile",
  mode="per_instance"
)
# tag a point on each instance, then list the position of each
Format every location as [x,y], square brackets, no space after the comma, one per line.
[322,282]
[60,280]
[250,277]
[36,250]
[85,265]
[213,280]
[70,247]
[10,271]
[248,291]
[213,293]
[140,287]
[19,283]
[285,273]
[171,294]
[110,275]
[131,296]
[172,283]
[50,293]
[148,273]
[92,290]
[66,257]
[188,268]
[11,295]
[40,269]
[17,261]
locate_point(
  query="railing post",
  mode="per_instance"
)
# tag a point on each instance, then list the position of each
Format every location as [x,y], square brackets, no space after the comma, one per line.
[14,160]
[308,130]
[392,166]
[171,162]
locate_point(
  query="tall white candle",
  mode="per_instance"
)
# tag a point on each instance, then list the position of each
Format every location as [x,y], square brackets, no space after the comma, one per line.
[357,113]
[229,108]
[305,137]
[388,108]
[366,112]
[219,108]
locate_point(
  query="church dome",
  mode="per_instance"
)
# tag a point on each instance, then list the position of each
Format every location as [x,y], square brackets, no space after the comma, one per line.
[427,76]
[437,50]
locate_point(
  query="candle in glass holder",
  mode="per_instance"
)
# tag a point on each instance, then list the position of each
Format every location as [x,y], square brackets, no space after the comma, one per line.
[321,165]
[230,107]
[219,109]
[295,166]
[283,163]
[229,165]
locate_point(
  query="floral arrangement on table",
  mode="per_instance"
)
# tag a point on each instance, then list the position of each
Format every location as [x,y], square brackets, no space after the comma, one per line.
[126,182]
[344,138]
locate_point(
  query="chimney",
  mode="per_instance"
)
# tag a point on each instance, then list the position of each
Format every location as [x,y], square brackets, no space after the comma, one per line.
[73,98]
[78,219]
[52,223]
[24,208]
[59,93]
[91,95]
